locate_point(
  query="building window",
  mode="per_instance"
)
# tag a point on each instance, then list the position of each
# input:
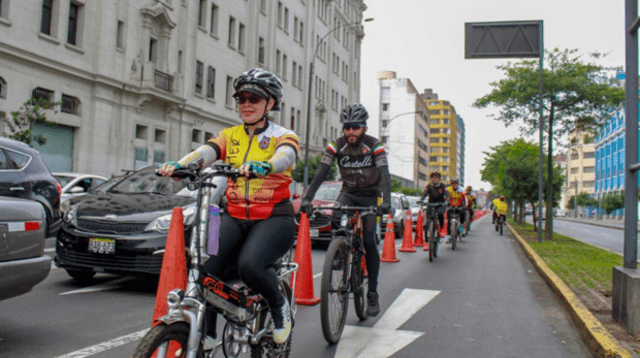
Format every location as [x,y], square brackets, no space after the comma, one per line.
[241,38]
[293,119]
[261,50]
[300,76]
[263,6]
[301,33]
[195,135]
[445,140]
[229,97]
[4,4]
[47,17]
[589,155]
[589,169]
[120,35]
[158,157]
[232,31]
[295,28]
[161,136]
[278,61]
[3,88]
[74,14]
[207,136]
[285,60]
[41,94]
[280,14]
[211,80]
[385,106]
[214,19]
[199,74]
[201,13]
[294,74]
[141,131]
[575,156]
[286,19]
[70,105]
[153,48]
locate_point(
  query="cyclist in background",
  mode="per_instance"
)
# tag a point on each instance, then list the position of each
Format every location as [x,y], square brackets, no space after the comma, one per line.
[499,206]
[365,174]
[471,203]
[258,226]
[436,192]
[457,199]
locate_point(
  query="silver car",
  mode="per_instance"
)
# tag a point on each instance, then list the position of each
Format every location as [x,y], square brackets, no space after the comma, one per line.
[23,263]
[400,204]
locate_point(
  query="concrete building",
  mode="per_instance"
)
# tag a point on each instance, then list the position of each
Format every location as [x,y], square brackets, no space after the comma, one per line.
[565,192]
[581,164]
[610,156]
[403,127]
[446,139]
[145,81]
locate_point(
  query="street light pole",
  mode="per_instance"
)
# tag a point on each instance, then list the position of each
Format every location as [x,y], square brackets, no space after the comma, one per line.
[384,130]
[311,71]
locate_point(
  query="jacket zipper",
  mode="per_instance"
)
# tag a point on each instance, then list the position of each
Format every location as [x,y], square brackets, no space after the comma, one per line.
[244,161]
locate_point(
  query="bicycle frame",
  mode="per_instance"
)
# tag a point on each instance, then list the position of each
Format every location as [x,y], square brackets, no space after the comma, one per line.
[239,305]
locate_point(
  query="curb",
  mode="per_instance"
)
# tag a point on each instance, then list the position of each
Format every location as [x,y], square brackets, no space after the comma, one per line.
[599,340]
[593,223]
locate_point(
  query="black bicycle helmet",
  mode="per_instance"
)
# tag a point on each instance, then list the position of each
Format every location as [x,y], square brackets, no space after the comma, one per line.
[354,114]
[262,83]
[435,174]
[455,181]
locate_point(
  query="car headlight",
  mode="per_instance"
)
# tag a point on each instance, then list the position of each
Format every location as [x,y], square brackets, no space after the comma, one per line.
[162,223]
[70,216]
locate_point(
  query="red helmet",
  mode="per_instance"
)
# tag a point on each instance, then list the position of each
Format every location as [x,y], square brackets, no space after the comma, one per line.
[502,197]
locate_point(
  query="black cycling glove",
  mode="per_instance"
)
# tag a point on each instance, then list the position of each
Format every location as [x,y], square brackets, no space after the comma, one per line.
[306,206]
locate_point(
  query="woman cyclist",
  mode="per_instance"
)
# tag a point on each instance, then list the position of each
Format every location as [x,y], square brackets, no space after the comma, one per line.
[258,226]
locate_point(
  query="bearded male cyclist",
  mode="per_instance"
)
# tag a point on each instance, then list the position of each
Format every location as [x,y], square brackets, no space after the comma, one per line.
[457,201]
[365,173]
[436,192]
[258,226]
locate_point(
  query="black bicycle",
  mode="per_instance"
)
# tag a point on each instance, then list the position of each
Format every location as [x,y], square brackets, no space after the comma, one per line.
[500,223]
[432,227]
[343,270]
[249,325]
[455,226]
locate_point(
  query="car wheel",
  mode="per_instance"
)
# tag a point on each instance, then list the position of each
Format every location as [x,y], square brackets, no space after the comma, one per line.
[81,275]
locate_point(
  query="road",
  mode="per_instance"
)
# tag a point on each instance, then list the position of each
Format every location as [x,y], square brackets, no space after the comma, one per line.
[484,299]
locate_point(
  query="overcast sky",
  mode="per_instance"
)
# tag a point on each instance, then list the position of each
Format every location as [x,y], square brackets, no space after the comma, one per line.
[423,40]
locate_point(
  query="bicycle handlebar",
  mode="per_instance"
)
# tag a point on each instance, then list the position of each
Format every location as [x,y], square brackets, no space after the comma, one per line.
[364,210]
[194,173]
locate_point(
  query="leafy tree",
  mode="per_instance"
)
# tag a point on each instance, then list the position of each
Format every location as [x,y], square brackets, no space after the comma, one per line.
[410,191]
[396,185]
[21,121]
[575,94]
[612,202]
[584,199]
[571,204]
[298,172]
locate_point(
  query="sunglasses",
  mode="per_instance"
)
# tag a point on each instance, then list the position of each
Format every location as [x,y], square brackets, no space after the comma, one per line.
[252,99]
[352,126]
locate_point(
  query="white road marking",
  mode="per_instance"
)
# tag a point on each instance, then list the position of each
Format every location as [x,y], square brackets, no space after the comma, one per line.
[104,346]
[384,340]
[112,285]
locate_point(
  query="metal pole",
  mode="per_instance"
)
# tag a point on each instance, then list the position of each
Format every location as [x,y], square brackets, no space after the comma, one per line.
[541,142]
[631,137]
[306,140]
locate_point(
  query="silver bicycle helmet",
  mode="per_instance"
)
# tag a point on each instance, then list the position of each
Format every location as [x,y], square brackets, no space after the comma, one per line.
[262,83]
[354,114]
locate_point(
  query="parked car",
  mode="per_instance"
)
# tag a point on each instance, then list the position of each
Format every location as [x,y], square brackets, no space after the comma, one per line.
[326,195]
[24,175]
[124,230]
[76,184]
[23,263]
[401,204]
[559,213]
[415,209]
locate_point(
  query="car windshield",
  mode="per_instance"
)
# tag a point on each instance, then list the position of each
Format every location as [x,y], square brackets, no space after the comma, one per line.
[328,191]
[413,201]
[104,187]
[146,181]
[64,179]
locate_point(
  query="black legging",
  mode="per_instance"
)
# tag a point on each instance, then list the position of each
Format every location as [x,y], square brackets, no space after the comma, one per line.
[251,248]
[369,223]
[440,210]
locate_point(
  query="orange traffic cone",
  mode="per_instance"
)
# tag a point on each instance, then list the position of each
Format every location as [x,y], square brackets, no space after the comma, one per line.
[304,276]
[406,237]
[174,265]
[419,231]
[389,246]
[443,229]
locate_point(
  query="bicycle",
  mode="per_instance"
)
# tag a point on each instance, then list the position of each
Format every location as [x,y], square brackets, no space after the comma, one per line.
[467,221]
[248,322]
[432,227]
[500,223]
[455,226]
[343,272]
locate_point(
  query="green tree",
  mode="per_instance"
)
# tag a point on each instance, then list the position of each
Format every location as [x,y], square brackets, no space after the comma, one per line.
[571,204]
[21,121]
[298,172]
[612,202]
[575,94]
[410,191]
[584,199]
[396,185]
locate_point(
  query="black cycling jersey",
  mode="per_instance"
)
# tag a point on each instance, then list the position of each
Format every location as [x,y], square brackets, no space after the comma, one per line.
[358,164]
[435,192]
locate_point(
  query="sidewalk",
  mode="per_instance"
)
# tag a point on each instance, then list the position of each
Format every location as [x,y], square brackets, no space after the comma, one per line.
[612,224]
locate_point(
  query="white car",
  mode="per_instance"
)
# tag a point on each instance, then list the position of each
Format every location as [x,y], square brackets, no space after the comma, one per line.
[74,184]
[415,209]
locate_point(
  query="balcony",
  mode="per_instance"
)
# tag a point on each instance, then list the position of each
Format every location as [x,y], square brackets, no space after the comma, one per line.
[163,81]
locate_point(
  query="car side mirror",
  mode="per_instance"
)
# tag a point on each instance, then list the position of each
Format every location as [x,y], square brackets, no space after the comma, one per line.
[296,196]
[76,190]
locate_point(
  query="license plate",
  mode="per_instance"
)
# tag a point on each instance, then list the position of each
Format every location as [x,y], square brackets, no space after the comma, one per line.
[99,245]
[314,233]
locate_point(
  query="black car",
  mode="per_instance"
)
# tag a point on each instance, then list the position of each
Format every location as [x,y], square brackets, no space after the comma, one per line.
[124,229]
[24,175]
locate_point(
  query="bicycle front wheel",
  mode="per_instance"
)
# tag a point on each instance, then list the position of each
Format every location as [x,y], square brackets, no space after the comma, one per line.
[334,290]
[163,341]
[359,285]
[454,235]
[432,241]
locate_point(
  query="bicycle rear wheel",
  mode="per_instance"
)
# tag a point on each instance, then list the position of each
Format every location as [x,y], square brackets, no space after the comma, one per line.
[334,290]
[431,240]
[454,235]
[501,226]
[164,341]
[358,286]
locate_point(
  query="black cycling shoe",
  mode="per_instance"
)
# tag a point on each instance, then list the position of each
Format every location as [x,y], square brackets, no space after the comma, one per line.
[373,306]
